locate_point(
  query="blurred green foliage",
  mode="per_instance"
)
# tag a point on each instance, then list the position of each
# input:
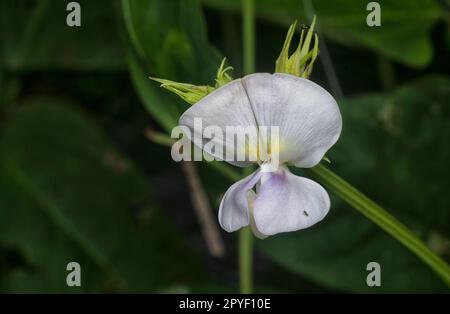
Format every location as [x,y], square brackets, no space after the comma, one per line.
[68,195]
[35,37]
[79,183]
[404,35]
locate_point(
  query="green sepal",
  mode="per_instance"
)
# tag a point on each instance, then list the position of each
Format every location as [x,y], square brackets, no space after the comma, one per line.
[188,92]
[193,93]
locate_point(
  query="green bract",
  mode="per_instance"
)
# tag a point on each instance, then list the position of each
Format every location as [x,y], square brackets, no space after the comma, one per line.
[301,62]
[193,93]
[188,92]
[222,76]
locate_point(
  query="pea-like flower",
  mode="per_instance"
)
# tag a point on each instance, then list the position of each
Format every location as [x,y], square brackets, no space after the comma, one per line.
[270,200]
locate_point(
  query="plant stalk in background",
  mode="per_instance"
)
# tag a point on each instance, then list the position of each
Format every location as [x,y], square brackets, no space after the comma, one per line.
[245,234]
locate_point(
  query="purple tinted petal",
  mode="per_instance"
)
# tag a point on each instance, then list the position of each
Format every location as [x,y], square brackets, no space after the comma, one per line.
[233,210]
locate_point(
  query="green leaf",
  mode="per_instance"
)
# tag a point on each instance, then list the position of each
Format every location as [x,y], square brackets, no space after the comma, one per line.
[170,41]
[66,194]
[34,36]
[162,106]
[170,36]
[403,167]
[404,34]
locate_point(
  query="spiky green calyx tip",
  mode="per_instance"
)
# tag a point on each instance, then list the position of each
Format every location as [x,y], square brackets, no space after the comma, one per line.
[300,63]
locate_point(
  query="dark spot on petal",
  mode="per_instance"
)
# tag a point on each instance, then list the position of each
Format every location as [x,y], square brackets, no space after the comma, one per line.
[305,213]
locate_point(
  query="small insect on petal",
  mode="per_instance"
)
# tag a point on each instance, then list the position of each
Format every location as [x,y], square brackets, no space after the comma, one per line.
[286,202]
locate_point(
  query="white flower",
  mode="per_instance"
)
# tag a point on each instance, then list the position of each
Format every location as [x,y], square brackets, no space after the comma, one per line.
[309,124]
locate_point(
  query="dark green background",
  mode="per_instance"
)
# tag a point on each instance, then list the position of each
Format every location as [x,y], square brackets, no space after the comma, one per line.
[80,182]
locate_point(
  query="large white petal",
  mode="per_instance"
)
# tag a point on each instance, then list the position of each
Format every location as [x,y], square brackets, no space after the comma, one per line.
[234,207]
[285,202]
[228,106]
[308,116]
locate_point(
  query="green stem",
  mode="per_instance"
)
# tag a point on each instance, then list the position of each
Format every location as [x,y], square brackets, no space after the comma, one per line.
[383,219]
[248,22]
[246,260]
[245,235]
[386,72]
